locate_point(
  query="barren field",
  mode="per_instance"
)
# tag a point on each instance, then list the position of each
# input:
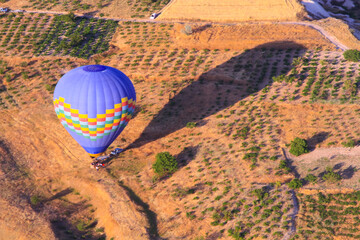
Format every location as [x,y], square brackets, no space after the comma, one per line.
[231,11]
[226,104]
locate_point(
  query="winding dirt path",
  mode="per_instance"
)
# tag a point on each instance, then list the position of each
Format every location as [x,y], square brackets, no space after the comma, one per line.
[328,36]
[293,216]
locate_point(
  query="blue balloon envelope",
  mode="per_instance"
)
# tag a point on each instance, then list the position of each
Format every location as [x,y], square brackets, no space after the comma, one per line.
[94,103]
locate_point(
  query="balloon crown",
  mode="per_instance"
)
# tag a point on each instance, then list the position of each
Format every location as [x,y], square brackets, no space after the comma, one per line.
[94,68]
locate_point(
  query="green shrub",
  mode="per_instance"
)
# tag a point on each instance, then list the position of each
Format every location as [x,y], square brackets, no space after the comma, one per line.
[8,77]
[260,193]
[352,55]
[191,124]
[81,226]
[70,17]
[165,164]
[25,75]
[35,200]
[298,146]
[330,176]
[295,183]
[101,229]
[350,143]
[311,178]
[283,78]
[76,39]
[50,88]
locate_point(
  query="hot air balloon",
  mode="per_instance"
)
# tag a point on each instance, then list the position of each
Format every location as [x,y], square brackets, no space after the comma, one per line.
[94,103]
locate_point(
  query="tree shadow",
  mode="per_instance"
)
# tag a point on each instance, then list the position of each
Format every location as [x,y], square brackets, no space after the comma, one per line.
[65,230]
[290,164]
[338,166]
[150,215]
[90,14]
[202,28]
[347,173]
[58,195]
[222,87]
[186,155]
[316,139]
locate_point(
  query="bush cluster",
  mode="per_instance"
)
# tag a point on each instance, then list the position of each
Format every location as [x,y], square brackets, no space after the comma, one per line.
[352,55]
[298,146]
[165,164]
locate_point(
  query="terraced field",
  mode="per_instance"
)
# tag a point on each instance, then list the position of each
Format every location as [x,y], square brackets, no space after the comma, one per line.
[39,34]
[328,216]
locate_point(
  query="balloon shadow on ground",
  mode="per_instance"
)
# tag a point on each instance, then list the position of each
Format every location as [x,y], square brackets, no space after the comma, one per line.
[222,87]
